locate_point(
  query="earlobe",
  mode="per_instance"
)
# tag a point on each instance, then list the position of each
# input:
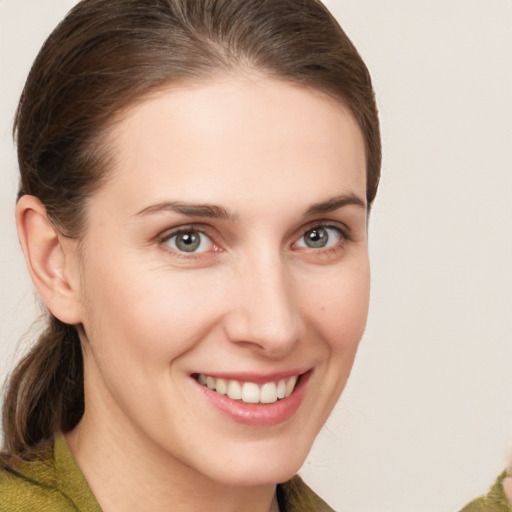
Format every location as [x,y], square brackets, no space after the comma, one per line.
[50,259]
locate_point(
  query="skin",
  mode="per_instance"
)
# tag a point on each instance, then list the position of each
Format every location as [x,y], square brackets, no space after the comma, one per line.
[507,484]
[255,298]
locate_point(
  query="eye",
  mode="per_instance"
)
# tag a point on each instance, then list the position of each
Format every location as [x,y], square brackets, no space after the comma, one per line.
[189,241]
[320,237]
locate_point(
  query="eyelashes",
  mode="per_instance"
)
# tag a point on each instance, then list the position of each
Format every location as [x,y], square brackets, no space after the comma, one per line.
[189,241]
[195,241]
[321,237]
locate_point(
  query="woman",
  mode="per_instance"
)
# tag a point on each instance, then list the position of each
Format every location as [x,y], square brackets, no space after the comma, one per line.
[195,177]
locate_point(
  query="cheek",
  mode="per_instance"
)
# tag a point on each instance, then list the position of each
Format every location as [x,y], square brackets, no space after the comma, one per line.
[339,309]
[149,315]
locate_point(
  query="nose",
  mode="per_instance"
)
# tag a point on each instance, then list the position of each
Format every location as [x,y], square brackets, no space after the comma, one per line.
[265,313]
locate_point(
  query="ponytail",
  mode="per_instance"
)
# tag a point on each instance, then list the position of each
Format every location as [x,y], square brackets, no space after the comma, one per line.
[45,393]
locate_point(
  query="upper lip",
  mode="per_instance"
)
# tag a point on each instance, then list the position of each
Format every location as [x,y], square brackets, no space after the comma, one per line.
[257,378]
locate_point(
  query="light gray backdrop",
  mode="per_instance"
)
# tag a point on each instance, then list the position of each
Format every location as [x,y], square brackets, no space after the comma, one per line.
[426,420]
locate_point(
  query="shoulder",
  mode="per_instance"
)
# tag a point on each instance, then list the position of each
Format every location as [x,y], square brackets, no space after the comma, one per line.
[494,501]
[26,486]
[295,496]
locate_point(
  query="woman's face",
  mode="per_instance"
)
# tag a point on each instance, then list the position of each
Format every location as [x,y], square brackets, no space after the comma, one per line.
[229,246]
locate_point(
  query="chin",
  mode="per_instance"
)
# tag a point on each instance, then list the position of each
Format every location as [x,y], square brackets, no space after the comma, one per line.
[259,477]
[262,469]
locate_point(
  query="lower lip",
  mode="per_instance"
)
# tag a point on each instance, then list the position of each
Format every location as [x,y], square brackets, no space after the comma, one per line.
[258,415]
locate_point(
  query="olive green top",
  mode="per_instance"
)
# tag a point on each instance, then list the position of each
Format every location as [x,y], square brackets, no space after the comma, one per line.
[494,501]
[54,483]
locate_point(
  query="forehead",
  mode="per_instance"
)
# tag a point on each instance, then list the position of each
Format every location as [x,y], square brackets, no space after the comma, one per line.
[221,139]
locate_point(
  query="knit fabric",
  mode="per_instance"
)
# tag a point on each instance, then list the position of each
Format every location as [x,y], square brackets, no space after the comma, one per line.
[54,483]
[494,501]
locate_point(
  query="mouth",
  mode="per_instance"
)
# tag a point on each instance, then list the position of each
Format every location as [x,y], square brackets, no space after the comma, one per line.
[255,400]
[250,392]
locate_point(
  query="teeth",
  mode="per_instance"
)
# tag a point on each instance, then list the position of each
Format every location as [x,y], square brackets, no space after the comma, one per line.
[234,390]
[210,382]
[290,385]
[281,389]
[268,393]
[221,387]
[249,392]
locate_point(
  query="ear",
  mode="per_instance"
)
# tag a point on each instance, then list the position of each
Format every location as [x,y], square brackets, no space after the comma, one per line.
[51,260]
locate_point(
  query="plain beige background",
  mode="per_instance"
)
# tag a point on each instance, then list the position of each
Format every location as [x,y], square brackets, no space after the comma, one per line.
[426,421]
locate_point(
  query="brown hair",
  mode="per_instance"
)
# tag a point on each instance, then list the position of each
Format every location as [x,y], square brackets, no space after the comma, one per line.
[104,56]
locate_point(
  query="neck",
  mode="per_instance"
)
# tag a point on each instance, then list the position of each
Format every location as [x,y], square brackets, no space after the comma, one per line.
[128,476]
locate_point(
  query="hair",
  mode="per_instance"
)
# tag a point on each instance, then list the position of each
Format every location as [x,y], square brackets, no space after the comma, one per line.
[101,59]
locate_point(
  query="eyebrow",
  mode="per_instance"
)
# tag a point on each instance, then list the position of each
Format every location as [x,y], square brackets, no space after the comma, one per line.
[335,203]
[214,211]
[194,210]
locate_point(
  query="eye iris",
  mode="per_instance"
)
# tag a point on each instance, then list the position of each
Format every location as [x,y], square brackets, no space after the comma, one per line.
[316,238]
[188,242]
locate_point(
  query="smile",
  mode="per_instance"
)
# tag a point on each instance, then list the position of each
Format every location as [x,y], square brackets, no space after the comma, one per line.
[250,392]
